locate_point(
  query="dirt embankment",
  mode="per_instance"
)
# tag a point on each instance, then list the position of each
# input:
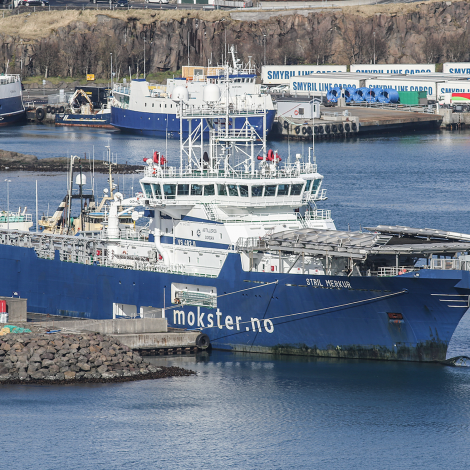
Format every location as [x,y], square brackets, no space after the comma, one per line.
[72,43]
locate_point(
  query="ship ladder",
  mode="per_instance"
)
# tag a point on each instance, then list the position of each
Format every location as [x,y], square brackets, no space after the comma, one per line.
[211,215]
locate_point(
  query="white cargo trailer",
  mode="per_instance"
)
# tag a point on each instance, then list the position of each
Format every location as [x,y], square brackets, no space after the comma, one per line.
[408,69]
[456,67]
[280,74]
[445,90]
[406,84]
[315,85]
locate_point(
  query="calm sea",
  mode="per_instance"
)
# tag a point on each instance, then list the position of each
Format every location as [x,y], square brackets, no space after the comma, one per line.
[253,411]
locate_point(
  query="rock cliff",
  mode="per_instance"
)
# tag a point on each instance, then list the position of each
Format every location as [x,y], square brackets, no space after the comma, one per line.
[72,43]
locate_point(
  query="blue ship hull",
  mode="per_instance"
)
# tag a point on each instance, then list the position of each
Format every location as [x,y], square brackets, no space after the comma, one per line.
[160,125]
[320,315]
[11,110]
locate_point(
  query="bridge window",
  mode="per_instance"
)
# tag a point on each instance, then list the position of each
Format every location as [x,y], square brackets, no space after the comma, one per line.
[196,190]
[221,189]
[270,190]
[157,190]
[209,190]
[232,190]
[315,186]
[296,189]
[147,189]
[307,186]
[283,190]
[257,191]
[183,190]
[169,190]
[243,190]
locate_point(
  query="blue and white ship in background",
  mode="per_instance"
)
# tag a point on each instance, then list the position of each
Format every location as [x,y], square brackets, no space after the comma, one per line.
[11,99]
[149,109]
[235,246]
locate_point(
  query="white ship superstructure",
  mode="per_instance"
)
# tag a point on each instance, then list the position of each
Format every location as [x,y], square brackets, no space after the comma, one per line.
[230,188]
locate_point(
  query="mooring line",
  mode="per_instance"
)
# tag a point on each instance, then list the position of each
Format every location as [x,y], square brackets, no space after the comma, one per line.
[324,311]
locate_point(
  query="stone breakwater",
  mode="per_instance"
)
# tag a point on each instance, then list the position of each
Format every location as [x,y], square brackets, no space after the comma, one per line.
[73,358]
[14,161]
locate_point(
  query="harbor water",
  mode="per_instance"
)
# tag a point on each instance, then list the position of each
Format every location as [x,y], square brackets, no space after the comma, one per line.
[246,411]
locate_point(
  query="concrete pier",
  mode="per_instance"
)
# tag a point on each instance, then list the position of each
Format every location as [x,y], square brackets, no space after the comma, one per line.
[139,333]
[454,120]
[338,122]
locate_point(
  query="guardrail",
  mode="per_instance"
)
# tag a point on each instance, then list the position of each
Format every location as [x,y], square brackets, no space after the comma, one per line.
[8,10]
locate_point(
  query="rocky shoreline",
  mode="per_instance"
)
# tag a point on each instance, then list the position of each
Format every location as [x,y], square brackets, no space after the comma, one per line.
[65,358]
[14,161]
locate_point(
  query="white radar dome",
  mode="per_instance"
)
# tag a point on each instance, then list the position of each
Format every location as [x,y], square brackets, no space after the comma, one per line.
[211,93]
[180,93]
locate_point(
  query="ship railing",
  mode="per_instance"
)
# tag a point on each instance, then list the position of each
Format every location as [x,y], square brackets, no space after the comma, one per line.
[320,196]
[390,271]
[319,214]
[285,171]
[134,235]
[220,111]
[121,89]
[4,218]
[5,79]
[450,264]
[250,243]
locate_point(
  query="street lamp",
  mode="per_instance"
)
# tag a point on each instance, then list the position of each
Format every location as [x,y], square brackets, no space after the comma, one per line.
[8,203]
[144,57]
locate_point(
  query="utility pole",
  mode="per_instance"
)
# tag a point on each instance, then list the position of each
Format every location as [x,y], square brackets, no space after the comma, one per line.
[264,49]
[374,45]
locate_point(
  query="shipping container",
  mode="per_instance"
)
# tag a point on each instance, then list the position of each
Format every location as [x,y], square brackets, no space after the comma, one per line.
[192,72]
[408,69]
[298,109]
[280,74]
[412,98]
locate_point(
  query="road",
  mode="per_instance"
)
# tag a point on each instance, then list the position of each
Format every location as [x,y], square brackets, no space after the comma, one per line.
[80,4]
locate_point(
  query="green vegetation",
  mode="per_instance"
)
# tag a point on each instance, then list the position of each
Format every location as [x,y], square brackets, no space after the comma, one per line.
[161,77]
[158,77]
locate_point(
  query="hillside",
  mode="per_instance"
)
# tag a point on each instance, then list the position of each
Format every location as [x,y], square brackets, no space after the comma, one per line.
[73,43]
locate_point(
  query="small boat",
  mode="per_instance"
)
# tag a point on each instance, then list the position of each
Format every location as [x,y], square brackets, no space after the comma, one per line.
[84,112]
[91,218]
[16,220]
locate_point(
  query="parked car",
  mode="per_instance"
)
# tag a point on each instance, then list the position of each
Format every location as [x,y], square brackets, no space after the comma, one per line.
[156,1]
[122,3]
[32,3]
[280,89]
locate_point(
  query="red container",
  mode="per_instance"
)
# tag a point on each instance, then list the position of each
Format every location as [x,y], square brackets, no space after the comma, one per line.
[3,306]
